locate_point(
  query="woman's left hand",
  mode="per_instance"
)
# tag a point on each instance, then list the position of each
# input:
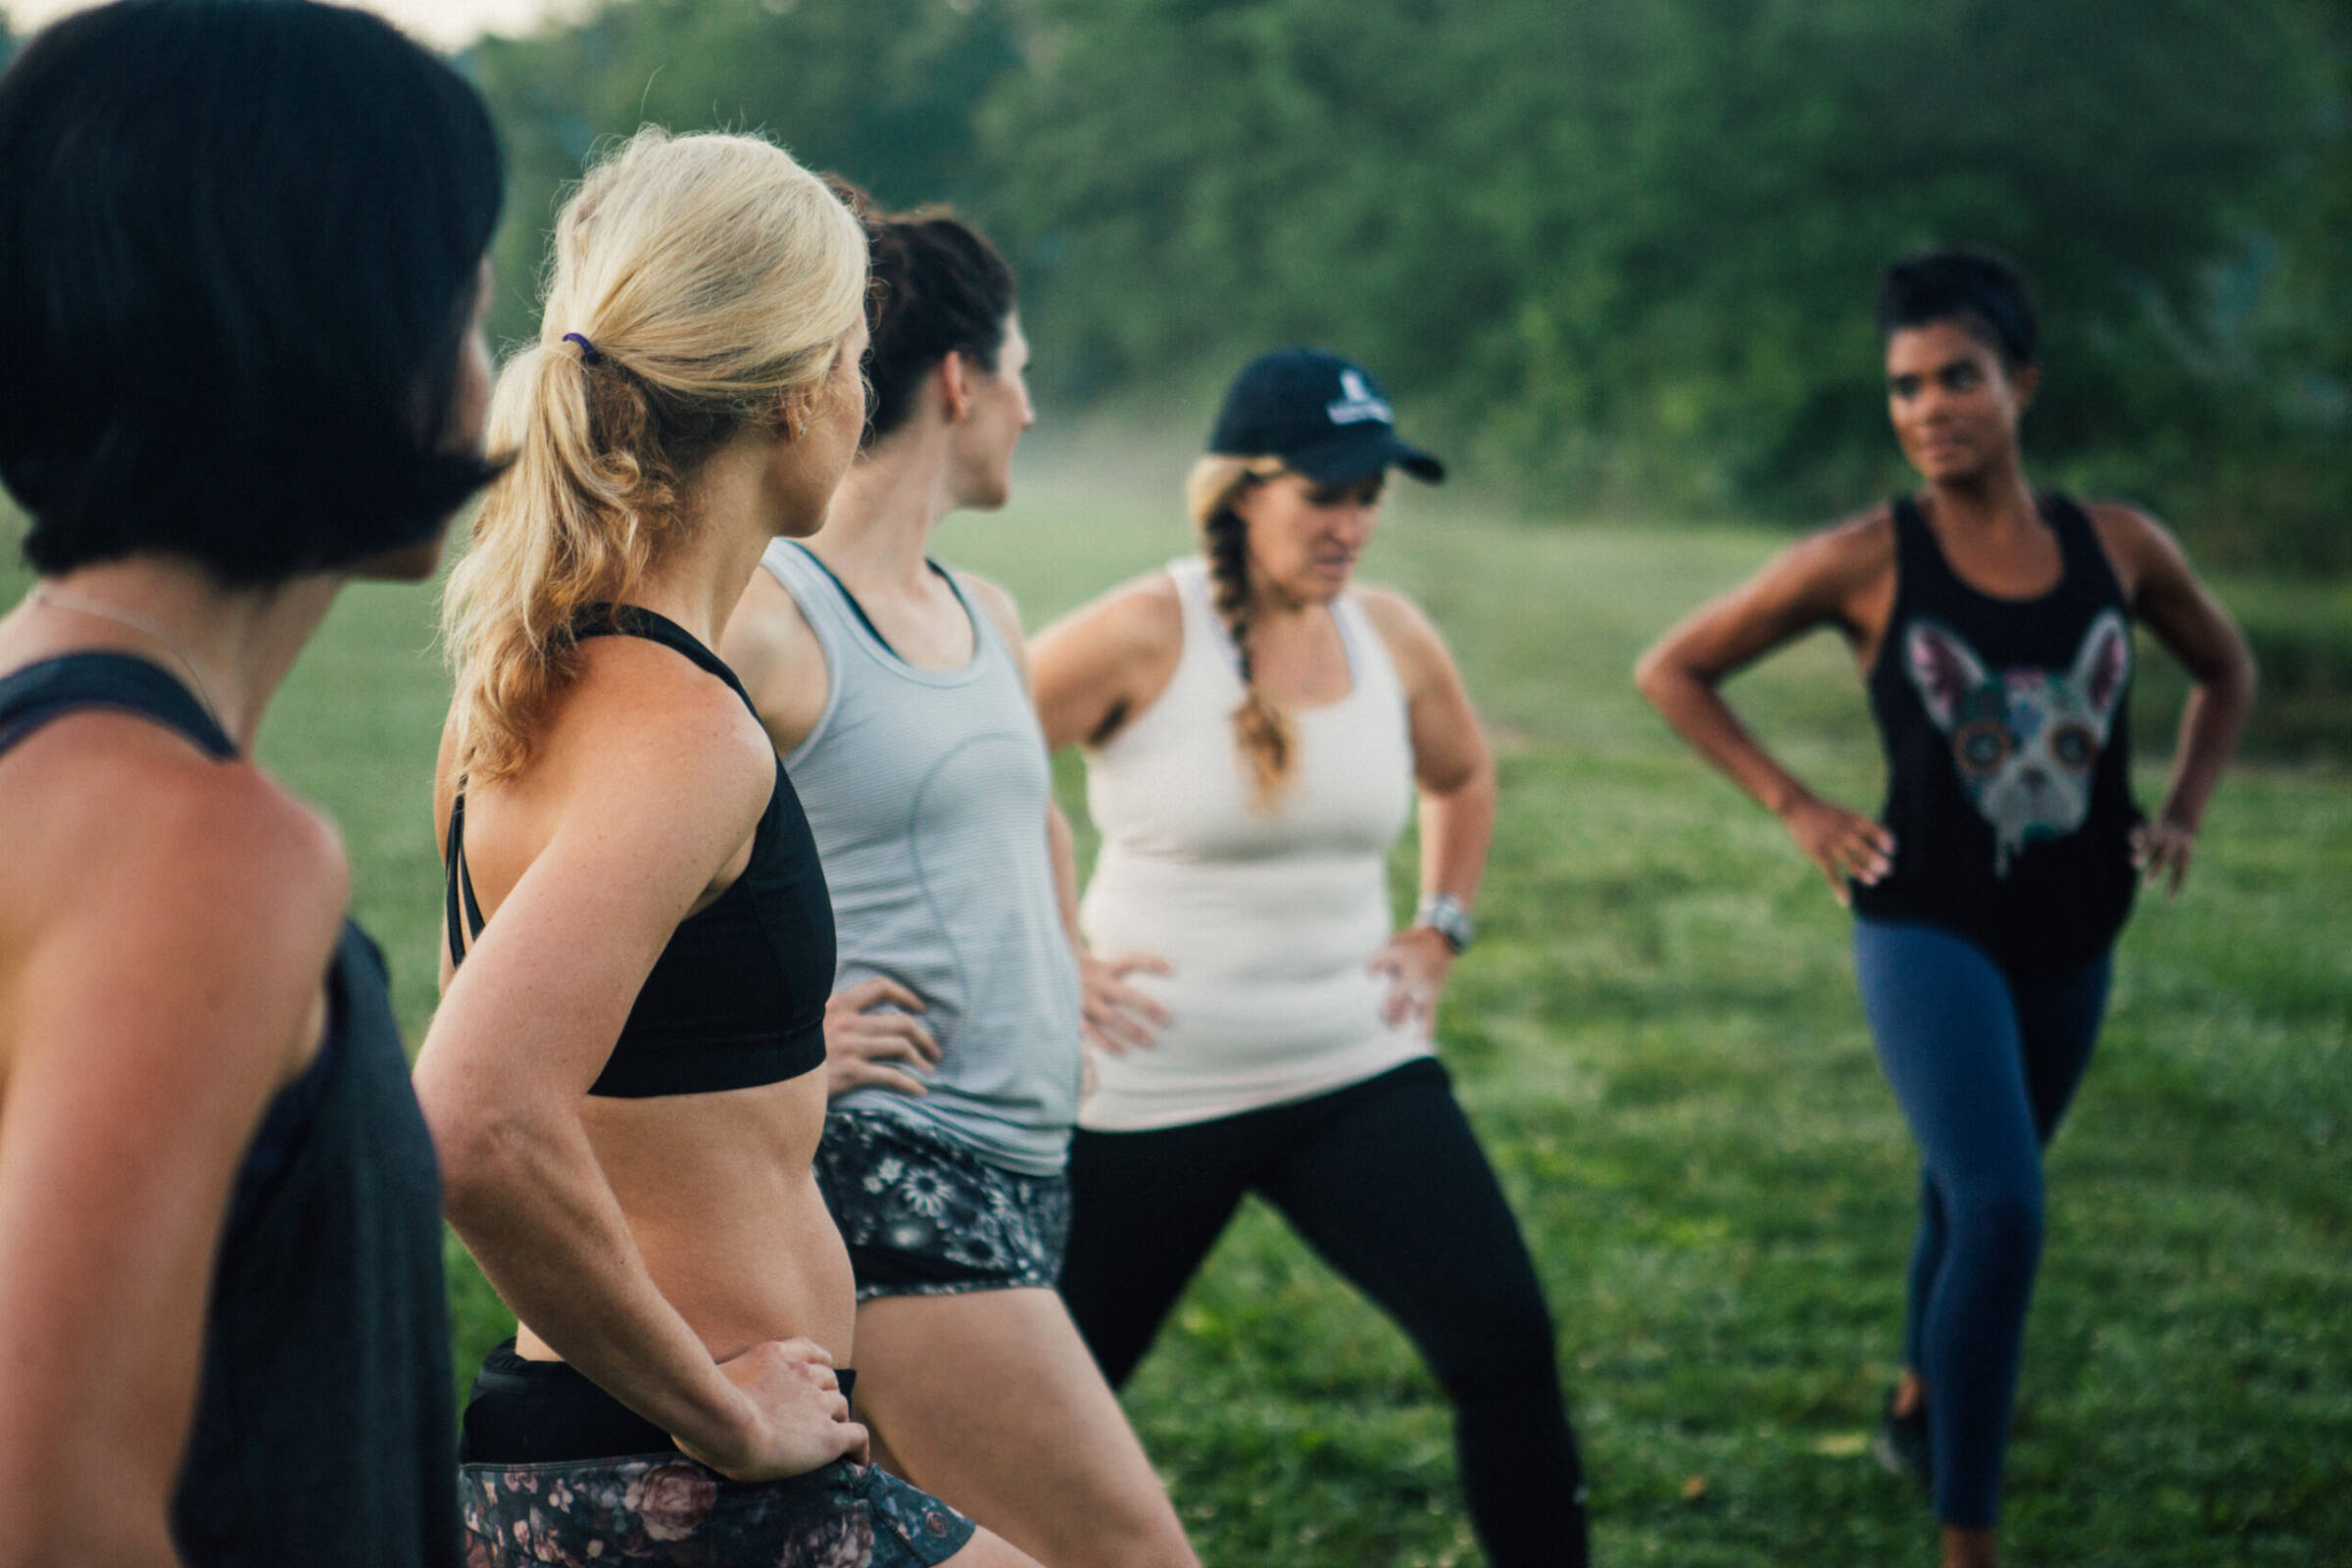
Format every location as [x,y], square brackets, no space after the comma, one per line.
[1417,962]
[2161,851]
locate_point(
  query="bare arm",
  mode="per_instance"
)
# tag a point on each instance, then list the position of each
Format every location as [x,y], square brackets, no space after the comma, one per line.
[2189,622]
[528,1023]
[1454,772]
[1098,667]
[1823,579]
[129,1109]
[768,643]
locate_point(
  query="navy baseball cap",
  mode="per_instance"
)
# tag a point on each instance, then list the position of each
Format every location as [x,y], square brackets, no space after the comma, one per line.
[1322,416]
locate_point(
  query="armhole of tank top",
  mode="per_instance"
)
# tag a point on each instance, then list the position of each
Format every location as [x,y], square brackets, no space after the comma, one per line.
[2082,549]
[1912,542]
[804,597]
[987,638]
[1192,606]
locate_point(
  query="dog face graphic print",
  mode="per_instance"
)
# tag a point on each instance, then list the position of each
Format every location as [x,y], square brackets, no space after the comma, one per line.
[2024,741]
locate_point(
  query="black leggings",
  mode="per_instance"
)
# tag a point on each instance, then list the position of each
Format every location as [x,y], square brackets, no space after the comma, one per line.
[1386,1182]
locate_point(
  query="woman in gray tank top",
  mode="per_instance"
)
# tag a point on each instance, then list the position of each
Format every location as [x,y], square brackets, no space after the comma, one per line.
[897,693]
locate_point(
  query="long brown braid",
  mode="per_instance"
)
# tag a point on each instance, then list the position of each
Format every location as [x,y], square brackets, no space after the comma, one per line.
[1262,726]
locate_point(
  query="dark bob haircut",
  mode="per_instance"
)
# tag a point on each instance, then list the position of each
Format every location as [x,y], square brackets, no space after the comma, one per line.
[239,242]
[1983,293]
[939,288]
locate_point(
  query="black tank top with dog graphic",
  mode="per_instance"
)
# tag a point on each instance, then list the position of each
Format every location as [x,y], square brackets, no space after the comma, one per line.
[2007,732]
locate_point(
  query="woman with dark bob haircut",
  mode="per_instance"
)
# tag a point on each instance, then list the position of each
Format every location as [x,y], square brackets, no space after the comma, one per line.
[241,266]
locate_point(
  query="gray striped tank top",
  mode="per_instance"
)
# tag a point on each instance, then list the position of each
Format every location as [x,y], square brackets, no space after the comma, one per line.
[927,793]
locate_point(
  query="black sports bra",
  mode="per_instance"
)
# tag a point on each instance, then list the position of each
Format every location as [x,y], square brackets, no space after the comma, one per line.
[737,999]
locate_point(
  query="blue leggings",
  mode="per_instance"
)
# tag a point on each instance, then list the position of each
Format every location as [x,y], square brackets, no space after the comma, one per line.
[1982,1064]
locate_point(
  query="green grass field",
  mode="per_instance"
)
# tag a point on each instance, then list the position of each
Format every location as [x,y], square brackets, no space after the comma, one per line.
[1659,1041]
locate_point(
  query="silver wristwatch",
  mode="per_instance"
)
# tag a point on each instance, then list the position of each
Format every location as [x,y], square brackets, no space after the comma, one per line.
[1445,914]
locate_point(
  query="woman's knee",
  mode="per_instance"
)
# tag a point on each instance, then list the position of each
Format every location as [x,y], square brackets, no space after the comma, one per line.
[1497,1340]
[2006,1219]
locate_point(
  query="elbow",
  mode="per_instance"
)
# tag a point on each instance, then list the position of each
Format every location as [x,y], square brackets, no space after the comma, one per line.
[482,1155]
[2232,680]
[1653,673]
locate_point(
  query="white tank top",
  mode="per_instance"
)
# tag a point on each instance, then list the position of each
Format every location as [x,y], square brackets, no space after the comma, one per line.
[1267,917]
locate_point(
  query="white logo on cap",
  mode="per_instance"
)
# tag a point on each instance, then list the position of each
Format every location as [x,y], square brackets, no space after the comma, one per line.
[1356,403]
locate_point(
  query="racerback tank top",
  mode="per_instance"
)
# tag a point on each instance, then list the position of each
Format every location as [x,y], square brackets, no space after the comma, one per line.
[1268,918]
[2006,725]
[322,1429]
[927,793]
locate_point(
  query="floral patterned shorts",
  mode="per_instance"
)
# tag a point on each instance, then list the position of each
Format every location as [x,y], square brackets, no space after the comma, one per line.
[926,1216]
[666,1509]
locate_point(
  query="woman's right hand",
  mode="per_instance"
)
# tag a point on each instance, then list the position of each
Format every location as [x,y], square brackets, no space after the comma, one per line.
[1847,847]
[797,1419]
[1116,1017]
[864,1046]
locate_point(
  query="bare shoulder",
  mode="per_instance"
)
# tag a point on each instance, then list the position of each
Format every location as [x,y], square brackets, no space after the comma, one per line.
[1394,613]
[214,863]
[646,768]
[1105,662]
[775,653]
[1847,554]
[2137,546]
[1140,618]
[996,601]
[1412,639]
[641,716]
[767,620]
[165,806]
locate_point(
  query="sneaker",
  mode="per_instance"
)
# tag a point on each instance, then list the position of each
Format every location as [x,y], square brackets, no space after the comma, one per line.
[1903,1446]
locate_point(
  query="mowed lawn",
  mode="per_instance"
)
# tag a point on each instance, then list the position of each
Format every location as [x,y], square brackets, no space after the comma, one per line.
[1658,1039]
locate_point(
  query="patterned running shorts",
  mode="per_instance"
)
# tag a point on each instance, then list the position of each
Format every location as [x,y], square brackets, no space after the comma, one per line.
[926,1216]
[666,1510]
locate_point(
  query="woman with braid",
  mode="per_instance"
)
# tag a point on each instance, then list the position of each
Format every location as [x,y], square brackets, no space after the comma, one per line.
[895,692]
[1256,732]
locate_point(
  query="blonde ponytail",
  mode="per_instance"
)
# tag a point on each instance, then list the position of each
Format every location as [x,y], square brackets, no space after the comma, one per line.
[1263,728]
[710,278]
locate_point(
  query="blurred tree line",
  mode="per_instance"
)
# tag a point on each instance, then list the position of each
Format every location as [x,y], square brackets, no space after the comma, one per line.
[1614,255]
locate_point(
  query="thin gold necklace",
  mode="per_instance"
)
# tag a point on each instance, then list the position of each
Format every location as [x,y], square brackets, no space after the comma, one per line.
[43,594]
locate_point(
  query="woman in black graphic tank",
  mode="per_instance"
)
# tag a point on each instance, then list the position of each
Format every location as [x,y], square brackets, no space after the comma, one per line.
[1994,625]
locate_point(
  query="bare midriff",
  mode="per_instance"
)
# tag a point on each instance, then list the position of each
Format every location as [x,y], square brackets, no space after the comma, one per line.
[722,1202]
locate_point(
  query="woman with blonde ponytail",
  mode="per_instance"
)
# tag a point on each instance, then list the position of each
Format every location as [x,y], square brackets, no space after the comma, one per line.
[1256,731]
[620,1079]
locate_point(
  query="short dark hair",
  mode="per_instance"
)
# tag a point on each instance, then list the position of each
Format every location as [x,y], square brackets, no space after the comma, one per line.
[1984,293]
[239,242]
[939,288]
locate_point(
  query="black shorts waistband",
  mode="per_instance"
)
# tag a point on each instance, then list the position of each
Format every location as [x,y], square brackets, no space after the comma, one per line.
[523,1412]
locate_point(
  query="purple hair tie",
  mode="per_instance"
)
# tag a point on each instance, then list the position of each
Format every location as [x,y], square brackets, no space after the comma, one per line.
[588,354]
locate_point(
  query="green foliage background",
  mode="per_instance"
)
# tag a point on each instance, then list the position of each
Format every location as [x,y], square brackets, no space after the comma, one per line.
[1614,255]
